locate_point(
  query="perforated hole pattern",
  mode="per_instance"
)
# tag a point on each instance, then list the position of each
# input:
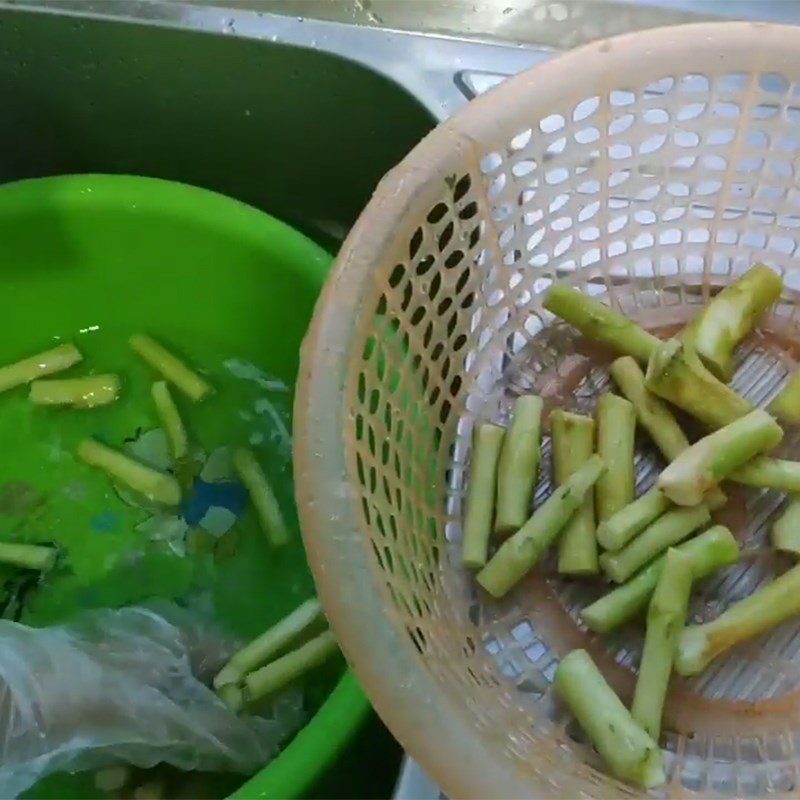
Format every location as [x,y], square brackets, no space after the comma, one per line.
[647,171]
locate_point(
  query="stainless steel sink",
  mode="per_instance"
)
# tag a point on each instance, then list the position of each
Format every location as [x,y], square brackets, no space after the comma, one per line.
[296,115]
[263,109]
[299,117]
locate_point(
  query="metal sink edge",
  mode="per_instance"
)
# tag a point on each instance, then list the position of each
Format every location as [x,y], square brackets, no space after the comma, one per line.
[442,72]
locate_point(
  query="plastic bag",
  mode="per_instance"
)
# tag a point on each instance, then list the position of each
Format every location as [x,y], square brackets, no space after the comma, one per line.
[124,685]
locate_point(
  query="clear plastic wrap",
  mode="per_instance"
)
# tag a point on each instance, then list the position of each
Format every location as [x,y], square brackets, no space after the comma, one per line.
[125,685]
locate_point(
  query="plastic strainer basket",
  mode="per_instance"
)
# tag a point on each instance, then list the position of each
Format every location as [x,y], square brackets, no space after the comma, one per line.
[647,170]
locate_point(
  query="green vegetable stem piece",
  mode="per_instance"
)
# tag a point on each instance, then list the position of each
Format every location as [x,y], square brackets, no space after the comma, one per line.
[616,439]
[154,485]
[517,470]
[87,392]
[486,445]
[518,554]
[653,414]
[764,609]
[786,529]
[288,668]
[676,373]
[669,529]
[631,754]
[666,617]
[709,551]
[599,322]
[266,505]
[269,643]
[573,445]
[615,532]
[688,480]
[28,556]
[731,315]
[786,406]
[46,363]
[170,367]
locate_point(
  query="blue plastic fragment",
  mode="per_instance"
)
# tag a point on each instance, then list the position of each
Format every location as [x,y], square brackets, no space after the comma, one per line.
[105,522]
[225,494]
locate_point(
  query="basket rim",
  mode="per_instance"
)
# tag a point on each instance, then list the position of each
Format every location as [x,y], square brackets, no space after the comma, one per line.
[430,723]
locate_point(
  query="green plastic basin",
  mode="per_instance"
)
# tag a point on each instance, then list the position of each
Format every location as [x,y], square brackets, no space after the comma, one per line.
[95,258]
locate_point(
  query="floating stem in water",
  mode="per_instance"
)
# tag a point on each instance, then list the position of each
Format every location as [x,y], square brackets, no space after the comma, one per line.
[170,366]
[269,643]
[112,779]
[266,505]
[88,392]
[171,420]
[232,695]
[46,363]
[28,556]
[287,668]
[154,485]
